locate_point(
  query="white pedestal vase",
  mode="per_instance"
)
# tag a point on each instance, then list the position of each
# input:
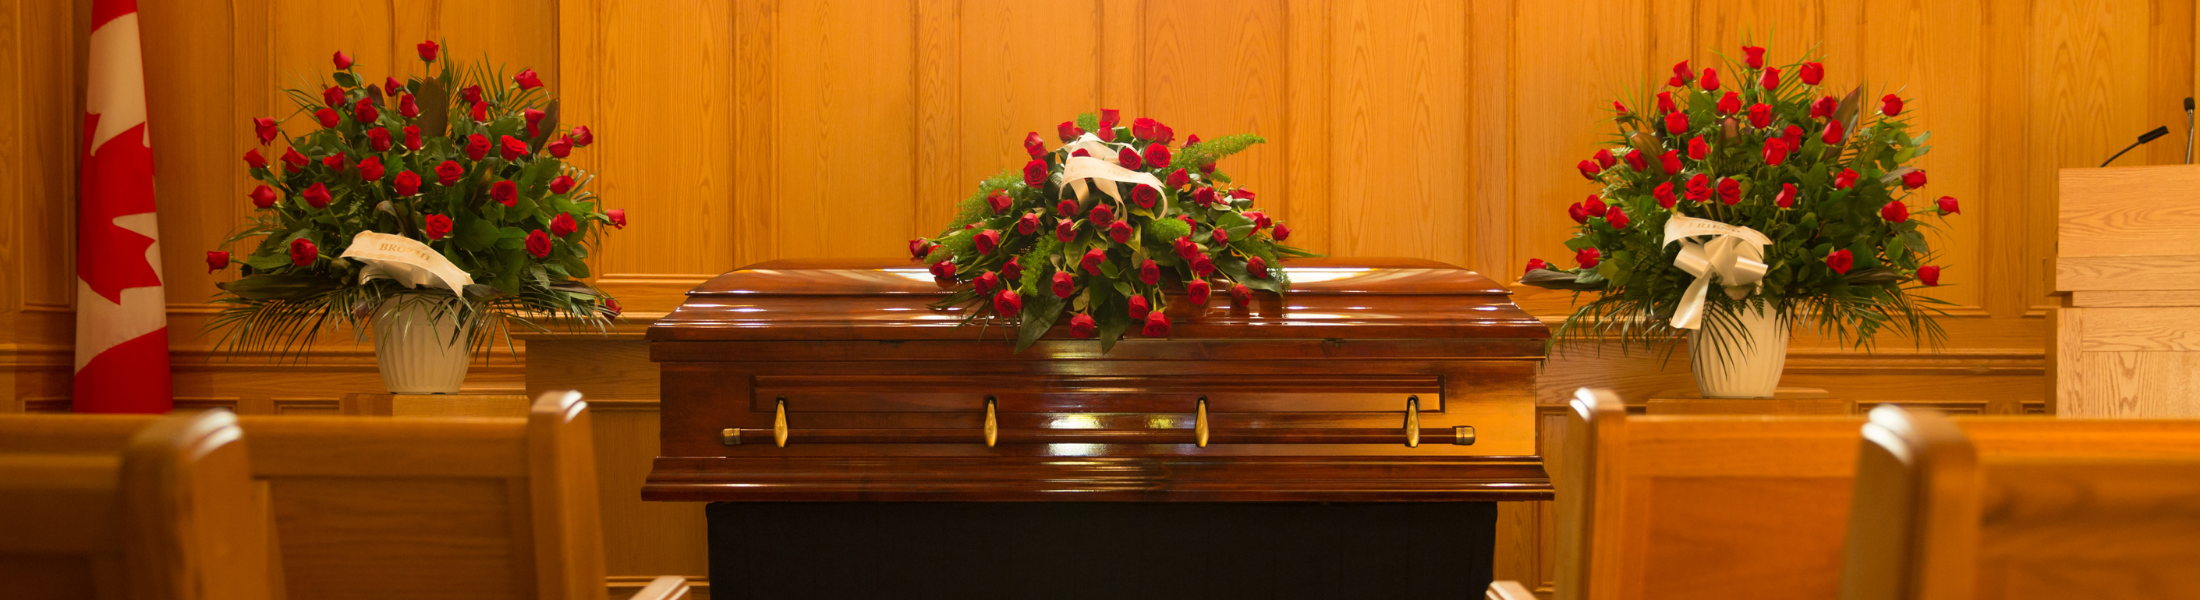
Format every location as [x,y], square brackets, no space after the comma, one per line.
[1747,367]
[414,345]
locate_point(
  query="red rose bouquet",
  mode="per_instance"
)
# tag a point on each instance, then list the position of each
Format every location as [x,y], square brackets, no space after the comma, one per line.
[451,190]
[1761,193]
[1109,228]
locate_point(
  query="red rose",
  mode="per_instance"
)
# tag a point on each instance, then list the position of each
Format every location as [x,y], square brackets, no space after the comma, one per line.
[1013,270]
[1776,151]
[527,79]
[478,112]
[1697,149]
[1894,212]
[1604,158]
[1699,188]
[1588,258]
[1665,102]
[1794,136]
[1068,131]
[1730,192]
[326,117]
[342,60]
[1616,218]
[1760,115]
[582,137]
[303,252]
[1835,134]
[1824,107]
[1914,179]
[1664,194]
[1753,56]
[1191,140]
[1101,213]
[1207,167]
[1064,285]
[334,162]
[533,117]
[1203,196]
[1202,266]
[1178,179]
[449,172]
[1811,73]
[1948,206]
[1786,199]
[317,195]
[216,260]
[1676,123]
[987,241]
[428,49]
[617,216]
[412,138]
[1840,261]
[253,159]
[1035,145]
[1186,248]
[1682,72]
[1619,108]
[1772,79]
[1149,272]
[611,305]
[1536,264]
[1065,230]
[506,193]
[1081,326]
[1890,105]
[563,225]
[437,227]
[477,147]
[1157,325]
[1128,158]
[560,147]
[365,112]
[1143,128]
[1067,208]
[943,270]
[1007,303]
[1138,308]
[1636,162]
[471,93]
[1120,231]
[919,248]
[1197,291]
[378,139]
[1091,262]
[1730,103]
[263,197]
[1162,134]
[1144,195]
[371,169]
[1671,161]
[264,127]
[1220,235]
[538,244]
[1577,212]
[1928,274]
[1594,205]
[512,148]
[333,96]
[1241,295]
[1028,224]
[561,184]
[1845,179]
[1588,169]
[1157,156]
[1710,81]
[1035,173]
[1257,267]
[1260,219]
[1282,232]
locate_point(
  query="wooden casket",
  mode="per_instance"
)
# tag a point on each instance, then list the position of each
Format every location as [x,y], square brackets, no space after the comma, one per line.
[1373,380]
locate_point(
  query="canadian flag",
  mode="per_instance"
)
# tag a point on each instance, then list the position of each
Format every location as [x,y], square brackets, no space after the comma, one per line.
[121,319]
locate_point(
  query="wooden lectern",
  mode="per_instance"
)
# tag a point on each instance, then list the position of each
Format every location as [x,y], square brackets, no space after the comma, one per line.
[2127,337]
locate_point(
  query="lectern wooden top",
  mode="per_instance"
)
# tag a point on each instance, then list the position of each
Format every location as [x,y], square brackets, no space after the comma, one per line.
[881,299]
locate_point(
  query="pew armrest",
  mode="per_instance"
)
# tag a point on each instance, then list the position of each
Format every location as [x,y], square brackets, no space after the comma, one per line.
[1508,590]
[669,587]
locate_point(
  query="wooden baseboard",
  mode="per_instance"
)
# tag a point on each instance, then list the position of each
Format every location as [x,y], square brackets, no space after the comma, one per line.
[624,586]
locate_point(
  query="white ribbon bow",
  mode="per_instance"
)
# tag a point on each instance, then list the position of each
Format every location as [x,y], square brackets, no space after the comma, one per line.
[1080,168]
[1735,254]
[406,261]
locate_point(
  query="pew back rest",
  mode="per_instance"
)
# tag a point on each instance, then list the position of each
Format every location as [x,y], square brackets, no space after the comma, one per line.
[2024,508]
[129,507]
[435,508]
[1701,507]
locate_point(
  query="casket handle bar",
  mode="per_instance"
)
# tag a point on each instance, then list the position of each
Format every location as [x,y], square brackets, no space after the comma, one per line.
[1201,433]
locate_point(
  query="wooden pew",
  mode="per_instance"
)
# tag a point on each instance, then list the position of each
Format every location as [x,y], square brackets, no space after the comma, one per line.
[435,508]
[129,507]
[2018,509]
[1700,507]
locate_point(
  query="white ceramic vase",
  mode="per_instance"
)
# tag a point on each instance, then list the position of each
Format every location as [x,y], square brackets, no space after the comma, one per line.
[1749,367]
[416,345]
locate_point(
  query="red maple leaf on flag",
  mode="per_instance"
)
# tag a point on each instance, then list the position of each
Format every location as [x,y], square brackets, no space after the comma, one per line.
[110,257]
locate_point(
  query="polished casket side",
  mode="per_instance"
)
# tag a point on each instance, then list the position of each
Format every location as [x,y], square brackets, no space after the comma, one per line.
[832,380]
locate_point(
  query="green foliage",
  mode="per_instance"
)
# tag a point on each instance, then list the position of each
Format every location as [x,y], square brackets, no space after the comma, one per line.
[1208,151]
[284,299]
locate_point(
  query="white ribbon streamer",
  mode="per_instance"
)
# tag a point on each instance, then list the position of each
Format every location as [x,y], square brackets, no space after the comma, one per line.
[404,260]
[1735,254]
[1080,168]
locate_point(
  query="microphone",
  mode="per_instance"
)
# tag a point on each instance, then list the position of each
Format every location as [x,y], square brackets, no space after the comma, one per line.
[2188,130]
[2143,138]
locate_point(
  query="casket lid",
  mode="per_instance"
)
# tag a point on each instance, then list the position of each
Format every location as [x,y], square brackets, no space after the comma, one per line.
[885,299]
